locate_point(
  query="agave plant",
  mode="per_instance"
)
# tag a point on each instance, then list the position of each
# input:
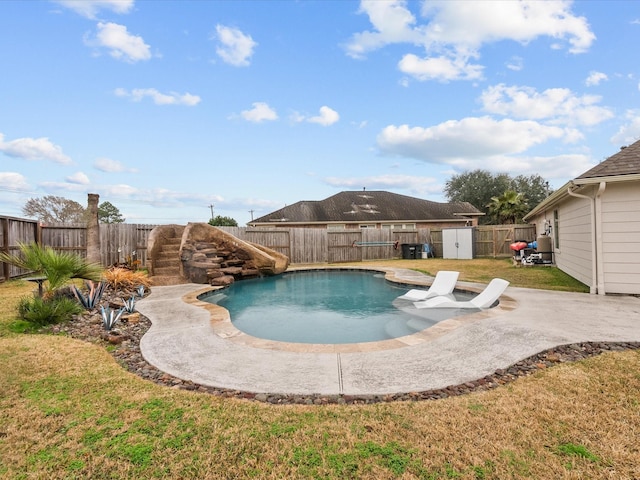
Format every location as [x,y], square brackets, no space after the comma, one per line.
[129,305]
[110,317]
[141,291]
[94,294]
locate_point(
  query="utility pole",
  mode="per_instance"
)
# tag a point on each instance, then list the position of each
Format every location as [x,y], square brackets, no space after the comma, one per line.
[251,212]
[211,207]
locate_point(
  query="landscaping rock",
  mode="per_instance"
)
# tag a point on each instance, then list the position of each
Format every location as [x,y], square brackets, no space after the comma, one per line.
[125,348]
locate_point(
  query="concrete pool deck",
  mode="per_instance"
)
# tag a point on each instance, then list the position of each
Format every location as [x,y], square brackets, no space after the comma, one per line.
[195,341]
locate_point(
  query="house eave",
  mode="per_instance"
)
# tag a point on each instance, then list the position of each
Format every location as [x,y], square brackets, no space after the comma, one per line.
[562,192]
[634,177]
[359,222]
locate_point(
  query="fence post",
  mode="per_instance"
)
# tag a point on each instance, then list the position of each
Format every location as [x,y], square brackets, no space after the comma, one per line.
[5,246]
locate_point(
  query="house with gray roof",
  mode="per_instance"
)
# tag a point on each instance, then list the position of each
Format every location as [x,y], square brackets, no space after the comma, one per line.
[371,209]
[593,222]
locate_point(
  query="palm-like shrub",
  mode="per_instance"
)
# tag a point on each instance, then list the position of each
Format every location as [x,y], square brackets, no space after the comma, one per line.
[57,267]
[44,311]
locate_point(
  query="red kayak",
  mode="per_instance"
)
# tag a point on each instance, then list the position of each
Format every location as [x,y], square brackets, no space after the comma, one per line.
[517,246]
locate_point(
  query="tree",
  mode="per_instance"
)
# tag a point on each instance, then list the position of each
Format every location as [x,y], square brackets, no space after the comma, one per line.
[220,221]
[509,207]
[108,213]
[534,188]
[476,187]
[52,209]
[479,187]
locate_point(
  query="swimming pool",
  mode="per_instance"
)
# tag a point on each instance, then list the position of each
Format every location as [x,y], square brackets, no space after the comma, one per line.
[326,307]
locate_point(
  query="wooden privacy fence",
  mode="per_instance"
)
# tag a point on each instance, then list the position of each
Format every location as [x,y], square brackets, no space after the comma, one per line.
[318,245]
[12,232]
[127,243]
[119,242]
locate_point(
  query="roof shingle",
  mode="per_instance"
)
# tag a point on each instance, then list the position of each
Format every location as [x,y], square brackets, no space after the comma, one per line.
[369,206]
[625,162]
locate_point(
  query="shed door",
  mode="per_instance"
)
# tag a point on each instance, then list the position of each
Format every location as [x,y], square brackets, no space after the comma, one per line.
[457,243]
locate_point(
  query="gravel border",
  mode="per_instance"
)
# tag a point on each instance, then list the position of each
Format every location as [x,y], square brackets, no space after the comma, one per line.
[123,343]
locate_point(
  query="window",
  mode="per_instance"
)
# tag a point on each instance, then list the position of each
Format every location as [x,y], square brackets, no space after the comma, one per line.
[399,226]
[363,226]
[556,237]
[336,226]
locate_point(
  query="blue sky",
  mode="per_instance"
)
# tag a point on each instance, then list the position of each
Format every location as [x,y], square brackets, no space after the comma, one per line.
[165,108]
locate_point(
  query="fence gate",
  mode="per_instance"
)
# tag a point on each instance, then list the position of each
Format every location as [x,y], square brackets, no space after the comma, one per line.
[340,246]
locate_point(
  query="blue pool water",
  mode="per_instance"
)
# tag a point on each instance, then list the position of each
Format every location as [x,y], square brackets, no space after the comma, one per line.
[330,307]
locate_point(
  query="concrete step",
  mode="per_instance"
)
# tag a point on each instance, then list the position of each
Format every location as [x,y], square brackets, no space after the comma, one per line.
[164,280]
[166,262]
[167,271]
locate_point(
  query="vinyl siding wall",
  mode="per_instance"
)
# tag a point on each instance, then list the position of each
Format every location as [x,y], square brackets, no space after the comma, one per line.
[621,238]
[574,254]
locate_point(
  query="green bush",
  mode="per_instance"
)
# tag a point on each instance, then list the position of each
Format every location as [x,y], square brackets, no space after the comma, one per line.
[39,311]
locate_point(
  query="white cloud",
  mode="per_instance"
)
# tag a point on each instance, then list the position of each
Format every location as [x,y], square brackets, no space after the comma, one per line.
[171,98]
[121,44]
[259,113]
[556,105]
[454,31]
[454,142]
[412,183]
[235,47]
[111,166]
[78,178]
[13,181]
[630,131]
[327,117]
[439,68]
[90,8]
[392,22]
[469,25]
[34,149]
[595,78]
[515,63]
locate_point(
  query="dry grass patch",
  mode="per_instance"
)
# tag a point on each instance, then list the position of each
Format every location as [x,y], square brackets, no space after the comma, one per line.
[68,410]
[10,294]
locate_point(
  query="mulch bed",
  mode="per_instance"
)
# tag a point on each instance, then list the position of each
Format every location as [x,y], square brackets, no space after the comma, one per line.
[123,342]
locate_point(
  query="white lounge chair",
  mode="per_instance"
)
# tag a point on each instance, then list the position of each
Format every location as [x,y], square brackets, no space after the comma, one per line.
[484,299]
[443,284]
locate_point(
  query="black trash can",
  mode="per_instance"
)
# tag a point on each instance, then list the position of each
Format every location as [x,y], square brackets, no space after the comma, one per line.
[411,250]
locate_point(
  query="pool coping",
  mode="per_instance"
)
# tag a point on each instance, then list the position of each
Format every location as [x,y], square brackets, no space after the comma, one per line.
[221,325]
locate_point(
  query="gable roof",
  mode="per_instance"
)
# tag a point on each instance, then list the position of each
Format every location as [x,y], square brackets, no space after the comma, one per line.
[369,206]
[619,167]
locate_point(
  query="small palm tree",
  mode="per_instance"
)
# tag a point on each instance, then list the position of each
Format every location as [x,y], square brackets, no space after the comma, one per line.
[509,207]
[57,267]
